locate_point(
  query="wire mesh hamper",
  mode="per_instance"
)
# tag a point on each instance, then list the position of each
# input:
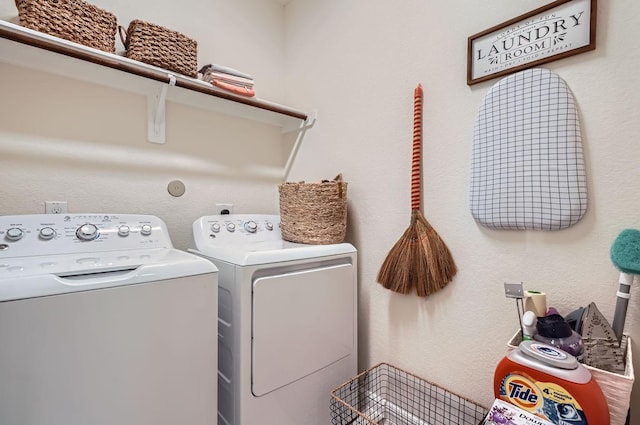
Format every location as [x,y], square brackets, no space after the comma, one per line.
[72,20]
[314,213]
[387,395]
[161,47]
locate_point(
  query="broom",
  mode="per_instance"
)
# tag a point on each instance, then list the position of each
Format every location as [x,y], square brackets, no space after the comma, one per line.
[420,259]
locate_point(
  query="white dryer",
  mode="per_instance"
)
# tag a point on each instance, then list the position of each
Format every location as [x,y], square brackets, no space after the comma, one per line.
[287,320]
[103,322]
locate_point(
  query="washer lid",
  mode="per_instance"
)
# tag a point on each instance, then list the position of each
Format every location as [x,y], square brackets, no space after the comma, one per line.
[37,276]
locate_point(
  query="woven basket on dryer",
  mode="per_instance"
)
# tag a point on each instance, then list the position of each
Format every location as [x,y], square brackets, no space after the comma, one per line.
[314,213]
[161,47]
[72,20]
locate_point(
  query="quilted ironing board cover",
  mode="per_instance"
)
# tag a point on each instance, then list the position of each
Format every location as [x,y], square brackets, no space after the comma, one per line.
[527,162]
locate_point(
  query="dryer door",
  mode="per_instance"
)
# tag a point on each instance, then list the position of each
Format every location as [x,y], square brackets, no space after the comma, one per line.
[302,322]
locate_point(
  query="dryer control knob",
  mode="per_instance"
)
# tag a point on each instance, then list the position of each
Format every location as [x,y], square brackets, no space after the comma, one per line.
[47,233]
[124,230]
[87,232]
[269,225]
[215,228]
[15,234]
[146,229]
[250,226]
[231,227]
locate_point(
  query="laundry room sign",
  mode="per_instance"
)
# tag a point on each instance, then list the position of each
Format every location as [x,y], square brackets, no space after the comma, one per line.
[560,29]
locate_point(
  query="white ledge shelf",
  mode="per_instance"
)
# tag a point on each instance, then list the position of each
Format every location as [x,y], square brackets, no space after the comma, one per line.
[32,49]
[24,47]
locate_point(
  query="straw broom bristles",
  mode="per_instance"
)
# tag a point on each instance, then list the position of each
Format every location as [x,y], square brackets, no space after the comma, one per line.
[440,267]
[419,259]
[396,270]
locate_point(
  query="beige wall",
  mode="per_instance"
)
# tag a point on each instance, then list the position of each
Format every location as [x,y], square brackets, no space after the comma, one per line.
[64,139]
[355,62]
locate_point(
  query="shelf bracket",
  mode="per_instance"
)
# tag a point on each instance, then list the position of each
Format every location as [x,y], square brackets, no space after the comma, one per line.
[306,124]
[156,112]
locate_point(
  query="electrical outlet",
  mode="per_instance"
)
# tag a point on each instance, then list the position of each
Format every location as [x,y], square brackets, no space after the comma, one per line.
[55,207]
[224,208]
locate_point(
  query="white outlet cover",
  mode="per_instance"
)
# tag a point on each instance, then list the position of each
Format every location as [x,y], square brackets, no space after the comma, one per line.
[55,207]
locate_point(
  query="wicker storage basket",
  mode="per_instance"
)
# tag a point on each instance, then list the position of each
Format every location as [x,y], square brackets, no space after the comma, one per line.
[314,213]
[616,387]
[73,20]
[161,47]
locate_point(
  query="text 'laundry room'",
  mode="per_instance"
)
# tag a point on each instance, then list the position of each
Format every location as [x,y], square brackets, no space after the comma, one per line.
[292,212]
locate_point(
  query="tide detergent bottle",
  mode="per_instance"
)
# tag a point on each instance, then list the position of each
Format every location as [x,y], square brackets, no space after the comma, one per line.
[551,384]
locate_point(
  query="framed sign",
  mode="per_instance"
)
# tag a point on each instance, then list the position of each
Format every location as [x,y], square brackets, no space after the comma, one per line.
[560,29]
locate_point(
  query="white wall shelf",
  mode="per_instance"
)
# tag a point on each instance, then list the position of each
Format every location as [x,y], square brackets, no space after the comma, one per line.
[35,50]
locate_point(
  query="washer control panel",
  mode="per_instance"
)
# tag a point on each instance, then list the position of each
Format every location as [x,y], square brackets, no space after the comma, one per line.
[237,229]
[49,234]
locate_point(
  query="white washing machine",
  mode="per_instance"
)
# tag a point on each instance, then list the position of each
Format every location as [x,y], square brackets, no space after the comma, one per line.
[103,322]
[287,320]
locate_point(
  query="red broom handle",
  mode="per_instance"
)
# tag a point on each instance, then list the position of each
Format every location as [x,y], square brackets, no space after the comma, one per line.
[417,148]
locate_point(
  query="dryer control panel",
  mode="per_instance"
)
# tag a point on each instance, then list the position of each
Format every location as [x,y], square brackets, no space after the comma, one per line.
[249,239]
[49,234]
[237,229]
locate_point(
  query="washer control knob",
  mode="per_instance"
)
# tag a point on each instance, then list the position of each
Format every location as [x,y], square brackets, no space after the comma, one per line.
[124,230]
[269,225]
[231,227]
[47,233]
[15,234]
[87,232]
[250,226]
[146,229]
[215,228]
